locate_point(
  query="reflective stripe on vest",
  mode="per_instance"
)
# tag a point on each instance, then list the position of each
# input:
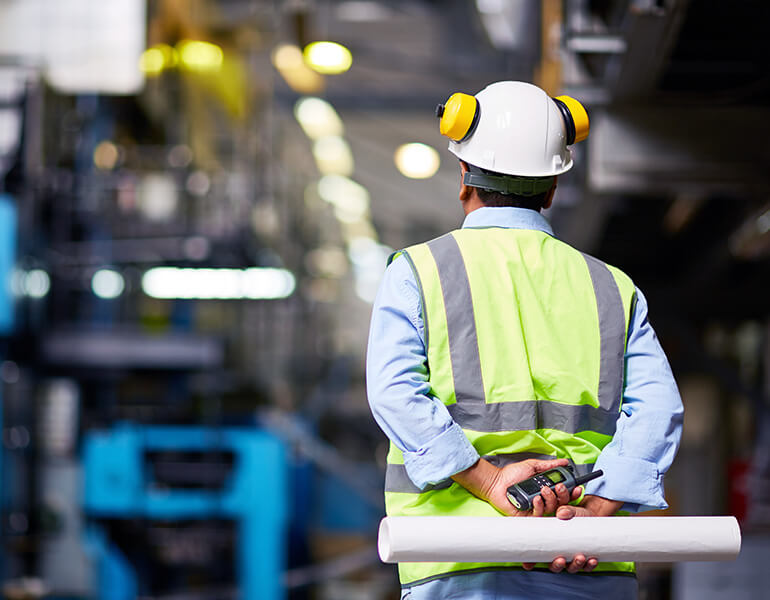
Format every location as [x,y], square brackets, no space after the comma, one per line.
[506,427]
[466,363]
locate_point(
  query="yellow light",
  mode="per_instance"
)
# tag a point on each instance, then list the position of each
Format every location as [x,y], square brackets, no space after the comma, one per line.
[106,156]
[317,118]
[329,58]
[287,56]
[287,59]
[154,60]
[333,156]
[196,55]
[417,161]
[151,62]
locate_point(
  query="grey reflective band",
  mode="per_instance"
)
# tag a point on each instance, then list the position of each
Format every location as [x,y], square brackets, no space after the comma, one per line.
[612,331]
[529,415]
[471,410]
[461,324]
[397,480]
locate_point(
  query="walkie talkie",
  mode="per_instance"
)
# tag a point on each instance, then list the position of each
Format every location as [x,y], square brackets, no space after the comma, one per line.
[523,493]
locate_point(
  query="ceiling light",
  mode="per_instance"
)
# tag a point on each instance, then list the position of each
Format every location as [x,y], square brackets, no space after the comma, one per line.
[350,199]
[37,283]
[196,55]
[417,161]
[107,283]
[157,58]
[106,156]
[256,283]
[329,58]
[157,196]
[287,59]
[490,7]
[317,118]
[362,11]
[332,156]
[151,62]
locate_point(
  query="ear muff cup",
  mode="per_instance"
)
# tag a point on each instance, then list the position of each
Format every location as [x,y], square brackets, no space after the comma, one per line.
[459,116]
[575,118]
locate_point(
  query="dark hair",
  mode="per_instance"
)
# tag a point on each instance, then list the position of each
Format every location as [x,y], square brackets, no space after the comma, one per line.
[498,199]
[492,198]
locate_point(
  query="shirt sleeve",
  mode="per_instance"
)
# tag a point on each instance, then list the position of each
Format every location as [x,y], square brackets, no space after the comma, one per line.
[649,427]
[434,446]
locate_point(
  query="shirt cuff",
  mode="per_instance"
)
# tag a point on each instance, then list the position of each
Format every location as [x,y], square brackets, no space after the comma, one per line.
[634,481]
[448,453]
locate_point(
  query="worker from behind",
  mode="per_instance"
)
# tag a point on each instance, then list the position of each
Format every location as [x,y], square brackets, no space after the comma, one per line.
[498,351]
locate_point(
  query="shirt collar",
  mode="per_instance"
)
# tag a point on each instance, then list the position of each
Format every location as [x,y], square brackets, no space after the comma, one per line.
[508,217]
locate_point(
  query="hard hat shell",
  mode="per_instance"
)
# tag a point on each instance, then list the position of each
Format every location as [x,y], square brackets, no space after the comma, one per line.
[520,131]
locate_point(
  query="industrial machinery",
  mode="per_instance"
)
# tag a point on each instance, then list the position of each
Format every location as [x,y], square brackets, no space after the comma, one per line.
[158,475]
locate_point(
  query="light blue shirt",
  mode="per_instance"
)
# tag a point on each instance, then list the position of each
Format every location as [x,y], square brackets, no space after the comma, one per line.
[435,447]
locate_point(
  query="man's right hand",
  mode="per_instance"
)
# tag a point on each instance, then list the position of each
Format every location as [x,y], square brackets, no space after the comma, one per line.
[490,483]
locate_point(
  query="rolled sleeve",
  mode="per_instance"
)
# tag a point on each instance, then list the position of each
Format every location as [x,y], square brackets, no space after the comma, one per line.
[448,453]
[399,392]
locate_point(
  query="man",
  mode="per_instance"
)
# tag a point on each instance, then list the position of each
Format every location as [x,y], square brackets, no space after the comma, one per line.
[497,351]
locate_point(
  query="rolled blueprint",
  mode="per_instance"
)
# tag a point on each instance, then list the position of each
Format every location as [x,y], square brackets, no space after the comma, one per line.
[529,539]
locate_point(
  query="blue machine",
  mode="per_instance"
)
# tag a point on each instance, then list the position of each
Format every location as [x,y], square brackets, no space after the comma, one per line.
[255,495]
[8,226]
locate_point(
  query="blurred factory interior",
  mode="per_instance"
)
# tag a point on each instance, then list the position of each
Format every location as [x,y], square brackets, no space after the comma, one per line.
[196,205]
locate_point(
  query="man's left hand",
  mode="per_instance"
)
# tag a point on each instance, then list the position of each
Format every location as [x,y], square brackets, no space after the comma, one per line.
[592,506]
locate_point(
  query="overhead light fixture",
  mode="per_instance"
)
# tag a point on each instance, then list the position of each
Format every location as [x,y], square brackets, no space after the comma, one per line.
[317,118]
[256,283]
[329,58]
[37,283]
[157,196]
[197,55]
[417,161]
[288,61]
[106,156]
[349,199]
[107,284]
[157,58]
[333,156]
[362,11]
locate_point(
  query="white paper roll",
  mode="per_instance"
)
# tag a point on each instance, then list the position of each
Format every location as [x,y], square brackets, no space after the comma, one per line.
[528,539]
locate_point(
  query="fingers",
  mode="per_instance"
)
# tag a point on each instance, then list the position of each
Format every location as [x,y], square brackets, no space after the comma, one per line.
[558,565]
[562,495]
[538,506]
[528,566]
[550,499]
[576,493]
[565,513]
[544,465]
[577,563]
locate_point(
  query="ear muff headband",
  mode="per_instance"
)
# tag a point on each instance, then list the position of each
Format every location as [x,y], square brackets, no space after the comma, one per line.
[575,118]
[459,116]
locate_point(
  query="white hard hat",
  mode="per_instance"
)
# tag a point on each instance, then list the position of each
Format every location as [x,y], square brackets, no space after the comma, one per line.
[514,128]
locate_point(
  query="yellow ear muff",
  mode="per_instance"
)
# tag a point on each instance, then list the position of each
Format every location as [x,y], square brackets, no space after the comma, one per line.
[575,118]
[459,116]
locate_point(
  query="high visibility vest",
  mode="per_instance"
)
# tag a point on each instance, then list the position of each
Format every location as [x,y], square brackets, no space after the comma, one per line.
[525,341]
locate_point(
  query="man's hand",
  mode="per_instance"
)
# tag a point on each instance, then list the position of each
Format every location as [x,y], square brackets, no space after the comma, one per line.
[592,506]
[490,483]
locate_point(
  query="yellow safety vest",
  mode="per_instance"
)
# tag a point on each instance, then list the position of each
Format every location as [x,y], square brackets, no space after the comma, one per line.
[525,341]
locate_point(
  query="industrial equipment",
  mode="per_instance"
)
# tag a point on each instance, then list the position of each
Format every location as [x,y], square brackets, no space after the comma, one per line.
[184,474]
